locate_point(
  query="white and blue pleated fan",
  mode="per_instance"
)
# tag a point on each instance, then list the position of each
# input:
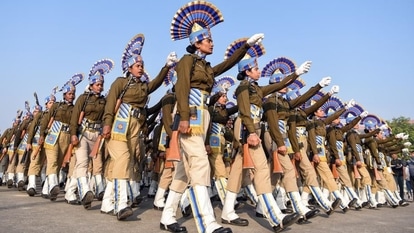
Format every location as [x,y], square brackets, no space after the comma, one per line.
[371,119]
[283,64]
[134,47]
[203,13]
[353,111]
[103,66]
[256,50]
[332,105]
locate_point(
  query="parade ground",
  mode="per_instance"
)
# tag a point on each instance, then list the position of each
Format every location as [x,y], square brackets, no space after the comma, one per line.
[21,213]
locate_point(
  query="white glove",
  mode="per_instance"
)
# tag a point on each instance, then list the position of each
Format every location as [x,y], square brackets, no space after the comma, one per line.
[383,127]
[363,114]
[255,39]
[405,137]
[334,89]
[400,135]
[407,144]
[325,81]
[172,59]
[350,104]
[405,150]
[304,68]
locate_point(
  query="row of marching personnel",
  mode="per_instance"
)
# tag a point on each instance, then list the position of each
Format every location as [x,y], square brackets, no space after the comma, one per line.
[274,144]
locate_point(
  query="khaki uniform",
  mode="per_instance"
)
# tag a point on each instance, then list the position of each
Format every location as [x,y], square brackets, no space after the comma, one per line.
[196,73]
[124,152]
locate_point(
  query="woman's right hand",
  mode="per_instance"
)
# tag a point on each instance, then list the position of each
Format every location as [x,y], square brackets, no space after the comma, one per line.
[74,140]
[253,139]
[106,131]
[184,127]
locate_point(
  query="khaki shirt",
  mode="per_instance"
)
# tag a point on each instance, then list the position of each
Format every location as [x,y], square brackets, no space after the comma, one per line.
[136,93]
[250,93]
[92,107]
[31,131]
[60,111]
[201,78]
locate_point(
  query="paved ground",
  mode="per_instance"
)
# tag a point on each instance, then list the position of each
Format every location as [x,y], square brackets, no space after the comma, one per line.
[21,213]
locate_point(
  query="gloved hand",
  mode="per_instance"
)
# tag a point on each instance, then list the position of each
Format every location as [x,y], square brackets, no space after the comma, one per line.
[304,68]
[400,135]
[405,150]
[334,90]
[383,127]
[171,59]
[407,144]
[255,39]
[405,137]
[325,81]
[350,104]
[363,114]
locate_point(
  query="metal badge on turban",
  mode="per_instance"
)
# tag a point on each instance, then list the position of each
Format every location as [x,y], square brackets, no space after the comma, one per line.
[99,69]
[71,84]
[171,77]
[249,60]
[194,21]
[132,52]
[352,112]
[278,68]
[370,122]
[332,105]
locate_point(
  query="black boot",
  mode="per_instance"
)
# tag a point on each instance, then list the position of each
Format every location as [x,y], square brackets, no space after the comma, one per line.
[236,222]
[175,227]
[287,221]
[223,230]
[124,213]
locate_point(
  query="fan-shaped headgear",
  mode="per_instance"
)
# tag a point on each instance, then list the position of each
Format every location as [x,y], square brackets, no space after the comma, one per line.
[171,77]
[223,85]
[352,112]
[132,52]
[292,91]
[52,97]
[194,21]
[37,106]
[387,132]
[278,68]
[99,69]
[71,84]
[314,99]
[27,107]
[370,122]
[332,105]
[220,88]
[249,60]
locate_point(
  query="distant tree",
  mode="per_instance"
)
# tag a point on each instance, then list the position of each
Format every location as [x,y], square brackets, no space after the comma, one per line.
[403,125]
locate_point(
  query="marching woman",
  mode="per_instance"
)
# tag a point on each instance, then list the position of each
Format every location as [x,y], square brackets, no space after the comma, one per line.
[54,135]
[37,153]
[218,136]
[85,126]
[277,108]
[123,117]
[247,126]
[194,84]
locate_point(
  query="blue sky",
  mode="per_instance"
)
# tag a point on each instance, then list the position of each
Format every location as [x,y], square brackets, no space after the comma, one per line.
[365,46]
